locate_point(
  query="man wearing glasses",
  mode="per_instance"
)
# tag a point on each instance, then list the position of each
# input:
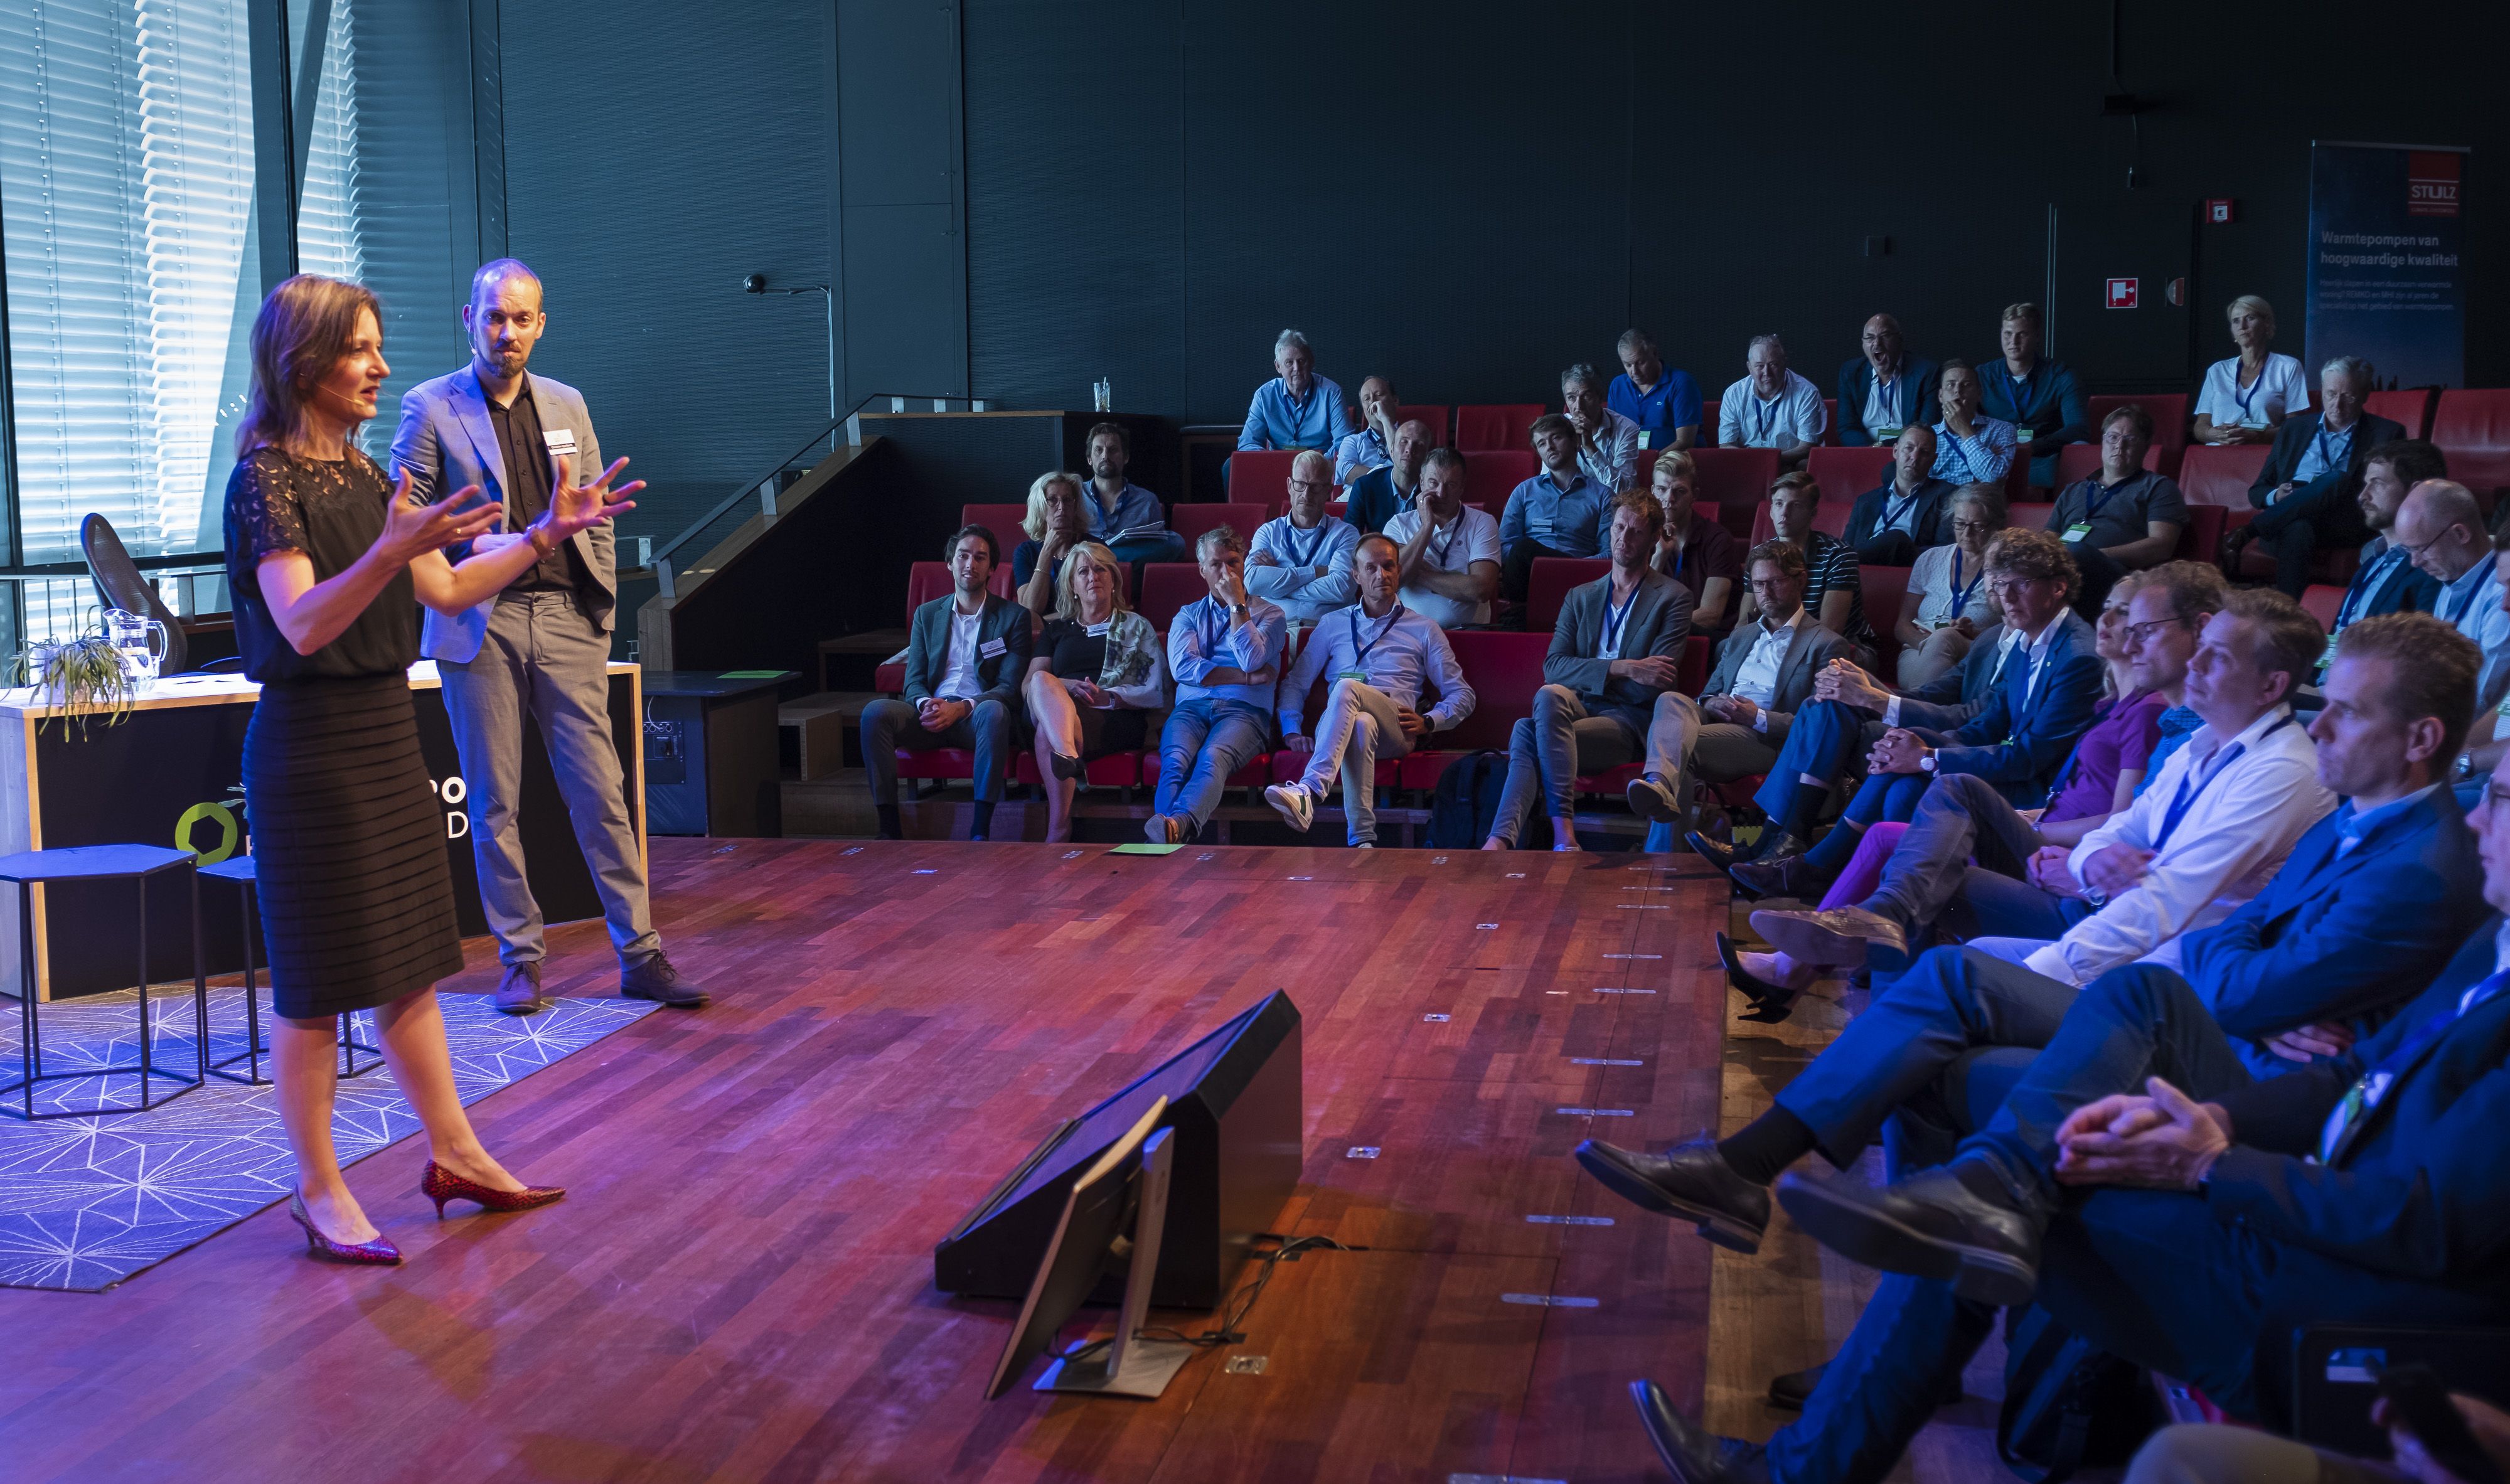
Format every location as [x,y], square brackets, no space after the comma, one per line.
[1302,560]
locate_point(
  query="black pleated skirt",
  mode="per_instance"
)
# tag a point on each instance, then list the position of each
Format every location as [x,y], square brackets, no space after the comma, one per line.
[347,844]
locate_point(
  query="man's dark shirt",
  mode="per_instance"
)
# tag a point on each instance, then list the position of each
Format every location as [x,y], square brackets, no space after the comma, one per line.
[518,427]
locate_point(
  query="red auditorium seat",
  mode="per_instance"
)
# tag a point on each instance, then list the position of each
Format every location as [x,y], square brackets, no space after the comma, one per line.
[1436,417]
[1844,473]
[2473,427]
[2221,475]
[925,581]
[1259,477]
[1491,475]
[1497,425]
[1830,422]
[2201,538]
[2076,462]
[2410,409]
[1828,518]
[1735,479]
[2323,601]
[1546,588]
[2170,412]
[1646,466]
[1167,588]
[1504,670]
[1191,520]
[1698,658]
[1885,589]
[1004,520]
[2030,516]
[2017,476]
[1707,438]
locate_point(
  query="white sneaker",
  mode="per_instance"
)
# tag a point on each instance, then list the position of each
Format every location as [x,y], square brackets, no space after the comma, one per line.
[1651,801]
[1363,845]
[1294,804]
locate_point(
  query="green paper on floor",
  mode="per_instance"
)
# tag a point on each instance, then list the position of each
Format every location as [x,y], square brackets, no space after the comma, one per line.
[1146,849]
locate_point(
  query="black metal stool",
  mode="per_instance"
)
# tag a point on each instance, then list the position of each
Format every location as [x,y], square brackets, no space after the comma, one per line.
[240,870]
[100,862]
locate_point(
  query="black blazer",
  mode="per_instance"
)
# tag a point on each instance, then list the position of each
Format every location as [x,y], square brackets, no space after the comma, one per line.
[1003,628]
[2292,440]
[1933,528]
[1919,381]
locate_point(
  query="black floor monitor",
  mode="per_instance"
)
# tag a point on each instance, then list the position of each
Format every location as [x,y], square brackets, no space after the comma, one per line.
[1079,1253]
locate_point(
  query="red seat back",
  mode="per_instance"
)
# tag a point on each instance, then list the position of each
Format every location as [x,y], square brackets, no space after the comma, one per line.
[1191,520]
[1829,420]
[1504,670]
[1698,658]
[1167,588]
[1844,473]
[1258,477]
[1491,474]
[2169,410]
[1497,425]
[2202,536]
[2322,602]
[1546,587]
[2473,427]
[1735,477]
[2030,517]
[1434,416]
[1885,589]
[1004,520]
[2080,461]
[2410,409]
[2220,474]
[1707,438]
[928,580]
[2017,475]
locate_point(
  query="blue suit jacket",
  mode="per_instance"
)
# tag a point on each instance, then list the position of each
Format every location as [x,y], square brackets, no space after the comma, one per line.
[2419,1190]
[2347,937]
[2292,441]
[1958,694]
[2023,734]
[1919,380]
[1931,529]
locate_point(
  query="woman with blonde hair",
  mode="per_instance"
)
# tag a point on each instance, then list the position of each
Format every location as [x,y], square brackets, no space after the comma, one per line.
[328,564]
[1056,521]
[1096,679]
[2247,397]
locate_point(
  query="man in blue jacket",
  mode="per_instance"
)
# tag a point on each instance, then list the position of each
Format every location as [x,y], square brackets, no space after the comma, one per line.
[2388,580]
[1909,510]
[2038,396]
[1886,388]
[2306,493]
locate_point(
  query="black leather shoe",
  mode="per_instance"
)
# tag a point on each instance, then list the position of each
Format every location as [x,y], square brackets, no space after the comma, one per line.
[1928,1226]
[1782,876]
[1837,938]
[1721,853]
[1691,1181]
[654,978]
[1691,1453]
[1792,1389]
[1770,1003]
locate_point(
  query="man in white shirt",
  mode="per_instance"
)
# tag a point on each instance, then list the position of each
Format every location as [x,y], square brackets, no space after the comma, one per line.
[1373,445]
[1607,443]
[1970,448]
[1448,551]
[1772,406]
[2442,530]
[1378,653]
[1302,560]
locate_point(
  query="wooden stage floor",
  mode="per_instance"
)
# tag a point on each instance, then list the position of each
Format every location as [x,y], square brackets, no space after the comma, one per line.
[740,1285]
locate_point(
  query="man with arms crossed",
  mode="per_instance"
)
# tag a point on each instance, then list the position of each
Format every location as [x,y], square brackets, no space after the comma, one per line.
[540,649]
[1302,560]
[1225,651]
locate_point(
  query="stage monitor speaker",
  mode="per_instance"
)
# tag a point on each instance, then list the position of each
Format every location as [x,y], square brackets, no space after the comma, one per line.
[1235,1103]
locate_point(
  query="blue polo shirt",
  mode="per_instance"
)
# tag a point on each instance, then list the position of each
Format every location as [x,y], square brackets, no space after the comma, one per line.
[1673,402]
[1277,420]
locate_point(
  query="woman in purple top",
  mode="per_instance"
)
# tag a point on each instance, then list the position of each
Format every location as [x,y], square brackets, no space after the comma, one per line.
[2100,779]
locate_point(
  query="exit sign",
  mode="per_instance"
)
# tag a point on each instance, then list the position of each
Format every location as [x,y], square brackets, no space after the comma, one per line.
[2123,293]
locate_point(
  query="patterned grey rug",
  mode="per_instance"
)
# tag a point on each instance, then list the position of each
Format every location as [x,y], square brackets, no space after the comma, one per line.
[85,1202]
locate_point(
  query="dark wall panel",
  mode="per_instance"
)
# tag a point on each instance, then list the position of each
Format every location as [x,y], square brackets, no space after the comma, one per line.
[904,232]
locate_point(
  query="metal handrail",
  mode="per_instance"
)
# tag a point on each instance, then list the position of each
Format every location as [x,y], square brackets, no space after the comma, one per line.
[764,489]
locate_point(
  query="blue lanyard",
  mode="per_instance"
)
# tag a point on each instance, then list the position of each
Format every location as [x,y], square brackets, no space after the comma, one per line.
[1308,557]
[1891,513]
[2101,495]
[2253,388]
[2186,800]
[1952,444]
[2372,1086]
[2021,390]
[1359,651]
[1616,618]
[2325,447]
[1961,594]
[2366,583]
[1764,413]
[1889,394]
[1211,641]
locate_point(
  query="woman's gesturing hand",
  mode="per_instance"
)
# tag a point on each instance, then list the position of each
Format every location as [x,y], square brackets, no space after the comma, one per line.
[411,531]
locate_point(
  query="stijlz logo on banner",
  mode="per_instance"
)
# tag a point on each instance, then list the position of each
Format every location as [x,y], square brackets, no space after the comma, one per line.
[2431,183]
[451,791]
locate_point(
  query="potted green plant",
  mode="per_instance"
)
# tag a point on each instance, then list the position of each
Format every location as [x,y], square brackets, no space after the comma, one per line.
[82,677]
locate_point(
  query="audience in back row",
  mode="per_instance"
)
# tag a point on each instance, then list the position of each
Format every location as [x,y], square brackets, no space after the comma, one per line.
[1373,445]
[1297,408]
[1772,406]
[1665,402]
[2244,400]
[1884,391]
[2036,395]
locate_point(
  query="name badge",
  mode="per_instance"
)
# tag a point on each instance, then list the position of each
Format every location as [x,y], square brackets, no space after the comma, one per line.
[1643,438]
[2329,658]
[560,440]
[1352,675]
[2077,531]
[1887,435]
[2022,435]
[991,649]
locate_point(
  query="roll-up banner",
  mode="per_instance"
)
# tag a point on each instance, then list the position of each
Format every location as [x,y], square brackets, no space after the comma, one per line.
[2387,272]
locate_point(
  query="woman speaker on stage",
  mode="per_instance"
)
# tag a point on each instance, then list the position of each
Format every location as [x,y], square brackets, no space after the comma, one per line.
[327,564]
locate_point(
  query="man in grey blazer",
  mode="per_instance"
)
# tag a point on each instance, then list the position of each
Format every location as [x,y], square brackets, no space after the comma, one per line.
[965,657]
[1763,676]
[1616,652]
[540,649]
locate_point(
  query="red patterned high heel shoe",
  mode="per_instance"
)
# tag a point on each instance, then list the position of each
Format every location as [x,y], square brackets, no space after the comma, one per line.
[380,1252]
[441,1184]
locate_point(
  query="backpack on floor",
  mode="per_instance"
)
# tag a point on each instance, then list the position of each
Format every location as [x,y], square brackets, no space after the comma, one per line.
[1465,805]
[2067,1402]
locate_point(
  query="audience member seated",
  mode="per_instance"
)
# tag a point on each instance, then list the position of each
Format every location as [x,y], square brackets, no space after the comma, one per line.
[1697,552]
[1057,520]
[1297,408]
[1772,406]
[1448,551]
[2227,1453]
[1558,513]
[1373,445]
[2388,580]
[1665,402]
[1607,443]
[1616,651]
[2247,397]
[1970,448]
[2142,1183]
[1302,560]
[1383,492]
[2098,779]
[2037,397]
[1116,504]
[1226,651]
[2016,745]
[1885,390]
[1836,595]
[1948,602]
[2441,526]
[966,655]
[1094,682]
[2305,493]
[1893,521]
[2124,518]
[1765,672]
[1379,653]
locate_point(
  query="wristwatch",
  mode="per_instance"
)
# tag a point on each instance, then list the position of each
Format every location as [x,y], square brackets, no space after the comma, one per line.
[1927,761]
[2464,768]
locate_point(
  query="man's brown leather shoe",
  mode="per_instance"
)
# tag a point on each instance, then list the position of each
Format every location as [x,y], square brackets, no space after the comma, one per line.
[518,993]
